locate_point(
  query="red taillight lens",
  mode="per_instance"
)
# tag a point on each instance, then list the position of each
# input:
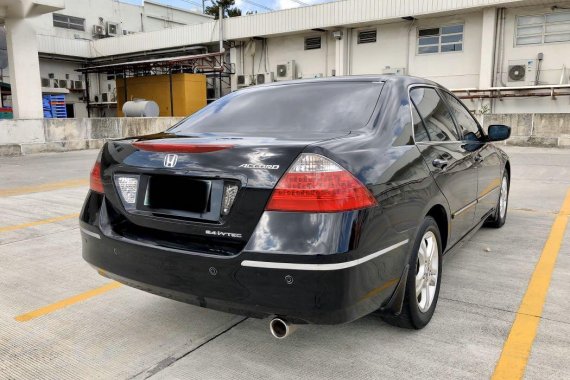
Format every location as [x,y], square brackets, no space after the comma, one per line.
[179,147]
[95,181]
[316,184]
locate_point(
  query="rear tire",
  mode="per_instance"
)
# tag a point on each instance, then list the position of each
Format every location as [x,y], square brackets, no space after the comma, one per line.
[498,219]
[424,279]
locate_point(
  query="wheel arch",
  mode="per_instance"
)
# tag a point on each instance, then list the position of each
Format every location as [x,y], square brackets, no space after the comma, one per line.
[508,170]
[438,213]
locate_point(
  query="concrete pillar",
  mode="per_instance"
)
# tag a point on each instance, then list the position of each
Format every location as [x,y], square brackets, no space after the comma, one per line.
[341,52]
[24,66]
[488,39]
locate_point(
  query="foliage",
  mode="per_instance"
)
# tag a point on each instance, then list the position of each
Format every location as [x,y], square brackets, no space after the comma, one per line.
[228,7]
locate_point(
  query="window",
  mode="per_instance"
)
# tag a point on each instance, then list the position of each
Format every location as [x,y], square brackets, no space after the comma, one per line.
[367,36]
[437,120]
[299,108]
[547,28]
[312,43]
[420,131]
[68,22]
[467,123]
[440,40]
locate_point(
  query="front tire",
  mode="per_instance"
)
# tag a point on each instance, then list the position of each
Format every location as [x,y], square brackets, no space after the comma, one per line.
[424,279]
[500,217]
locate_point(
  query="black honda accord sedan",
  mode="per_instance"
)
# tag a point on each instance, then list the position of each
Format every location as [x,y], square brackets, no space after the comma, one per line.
[311,201]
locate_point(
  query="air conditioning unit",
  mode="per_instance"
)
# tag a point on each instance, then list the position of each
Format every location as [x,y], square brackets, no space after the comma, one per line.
[78,84]
[107,97]
[287,71]
[394,70]
[263,78]
[46,82]
[311,76]
[113,29]
[98,30]
[522,72]
[243,81]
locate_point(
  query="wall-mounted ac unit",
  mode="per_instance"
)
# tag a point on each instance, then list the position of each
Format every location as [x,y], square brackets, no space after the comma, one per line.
[59,83]
[98,30]
[113,29]
[243,81]
[106,97]
[310,76]
[521,72]
[263,78]
[76,84]
[46,82]
[286,71]
[394,70]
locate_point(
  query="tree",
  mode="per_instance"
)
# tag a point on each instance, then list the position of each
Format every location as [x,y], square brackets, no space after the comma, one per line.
[228,7]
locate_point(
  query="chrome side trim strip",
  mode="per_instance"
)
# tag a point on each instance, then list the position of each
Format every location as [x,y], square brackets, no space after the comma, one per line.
[487,194]
[474,202]
[463,209]
[92,234]
[335,266]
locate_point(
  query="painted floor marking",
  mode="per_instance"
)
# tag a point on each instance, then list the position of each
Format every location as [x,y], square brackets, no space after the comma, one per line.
[67,302]
[38,223]
[516,351]
[43,187]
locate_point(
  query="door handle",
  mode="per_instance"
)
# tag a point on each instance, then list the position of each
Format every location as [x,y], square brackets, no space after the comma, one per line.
[440,163]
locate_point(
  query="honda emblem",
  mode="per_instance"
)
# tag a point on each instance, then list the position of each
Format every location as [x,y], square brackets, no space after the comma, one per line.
[170,160]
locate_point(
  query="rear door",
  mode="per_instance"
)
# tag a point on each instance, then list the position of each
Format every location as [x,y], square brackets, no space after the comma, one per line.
[450,162]
[485,157]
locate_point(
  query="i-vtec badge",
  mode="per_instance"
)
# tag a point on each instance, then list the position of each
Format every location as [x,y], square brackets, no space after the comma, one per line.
[259,166]
[223,234]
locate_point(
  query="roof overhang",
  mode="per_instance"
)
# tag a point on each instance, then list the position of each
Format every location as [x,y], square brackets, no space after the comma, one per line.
[28,8]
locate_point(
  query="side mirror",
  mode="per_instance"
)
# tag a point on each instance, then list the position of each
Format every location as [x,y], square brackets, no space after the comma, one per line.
[499,132]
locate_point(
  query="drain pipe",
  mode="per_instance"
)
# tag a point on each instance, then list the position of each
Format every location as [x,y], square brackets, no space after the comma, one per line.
[280,328]
[221,21]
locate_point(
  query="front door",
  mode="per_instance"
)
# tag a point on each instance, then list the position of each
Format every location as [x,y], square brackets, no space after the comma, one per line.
[485,157]
[451,164]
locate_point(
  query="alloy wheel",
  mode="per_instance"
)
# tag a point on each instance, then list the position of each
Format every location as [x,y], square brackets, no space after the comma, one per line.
[503,198]
[426,271]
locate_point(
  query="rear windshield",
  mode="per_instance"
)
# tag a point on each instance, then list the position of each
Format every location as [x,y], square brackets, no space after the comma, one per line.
[314,107]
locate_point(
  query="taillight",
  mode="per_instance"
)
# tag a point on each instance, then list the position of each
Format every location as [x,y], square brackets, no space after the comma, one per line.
[317,184]
[95,181]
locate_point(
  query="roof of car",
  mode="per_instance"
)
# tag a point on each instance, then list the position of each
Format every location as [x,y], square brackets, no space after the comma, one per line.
[359,78]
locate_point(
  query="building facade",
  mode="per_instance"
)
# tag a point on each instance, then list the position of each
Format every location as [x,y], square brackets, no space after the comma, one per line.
[87,21]
[503,56]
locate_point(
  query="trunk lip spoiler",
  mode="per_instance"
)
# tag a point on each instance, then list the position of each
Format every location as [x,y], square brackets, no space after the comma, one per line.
[171,147]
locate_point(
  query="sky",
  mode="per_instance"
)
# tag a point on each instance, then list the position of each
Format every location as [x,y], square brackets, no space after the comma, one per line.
[244,5]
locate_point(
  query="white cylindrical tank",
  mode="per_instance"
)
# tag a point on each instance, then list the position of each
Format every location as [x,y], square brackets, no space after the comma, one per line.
[141,108]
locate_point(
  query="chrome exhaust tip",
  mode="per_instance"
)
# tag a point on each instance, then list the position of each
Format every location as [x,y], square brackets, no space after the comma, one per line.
[280,328]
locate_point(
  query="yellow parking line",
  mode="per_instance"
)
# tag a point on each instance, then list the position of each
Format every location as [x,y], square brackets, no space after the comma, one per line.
[38,223]
[516,351]
[43,187]
[67,302]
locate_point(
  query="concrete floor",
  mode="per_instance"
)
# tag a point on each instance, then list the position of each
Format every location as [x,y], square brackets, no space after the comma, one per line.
[126,333]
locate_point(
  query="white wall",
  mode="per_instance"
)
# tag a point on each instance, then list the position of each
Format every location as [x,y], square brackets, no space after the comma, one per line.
[132,18]
[283,49]
[556,55]
[389,49]
[452,69]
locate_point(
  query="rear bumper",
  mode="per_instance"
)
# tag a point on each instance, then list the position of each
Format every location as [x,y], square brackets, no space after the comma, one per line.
[313,289]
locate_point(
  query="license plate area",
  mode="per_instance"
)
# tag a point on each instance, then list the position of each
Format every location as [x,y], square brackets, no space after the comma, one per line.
[180,196]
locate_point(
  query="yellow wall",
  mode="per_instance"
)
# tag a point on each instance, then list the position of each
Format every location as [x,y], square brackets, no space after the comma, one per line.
[188,92]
